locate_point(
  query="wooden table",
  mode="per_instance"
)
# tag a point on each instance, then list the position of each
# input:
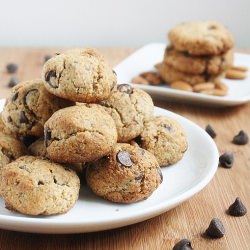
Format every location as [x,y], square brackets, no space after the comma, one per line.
[188,220]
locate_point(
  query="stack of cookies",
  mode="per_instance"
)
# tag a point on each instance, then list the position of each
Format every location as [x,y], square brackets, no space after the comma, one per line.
[199,53]
[79,121]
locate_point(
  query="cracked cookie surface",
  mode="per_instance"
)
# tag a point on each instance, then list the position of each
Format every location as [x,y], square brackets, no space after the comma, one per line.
[29,107]
[165,138]
[128,174]
[186,63]
[201,38]
[130,108]
[33,186]
[80,75]
[10,149]
[80,134]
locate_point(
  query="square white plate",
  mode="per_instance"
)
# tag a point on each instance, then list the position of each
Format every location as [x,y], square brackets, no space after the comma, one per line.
[146,57]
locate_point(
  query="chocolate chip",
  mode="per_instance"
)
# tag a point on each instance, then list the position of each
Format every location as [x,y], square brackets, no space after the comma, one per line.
[47,136]
[9,119]
[113,85]
[23,118]
[215,229]
[227,159]
[139,177]
[47,57]
[184,244]
[48,76]
[237,208]
[40,183]
[22,167]
[138,140]
[125,88]
[166,126]
[28,139]
[114,72]
[123,157]
[67,169]
[210,131]
[241,138]
[160,173]
[13,82]
[27,93]
[15,96]
[11,68]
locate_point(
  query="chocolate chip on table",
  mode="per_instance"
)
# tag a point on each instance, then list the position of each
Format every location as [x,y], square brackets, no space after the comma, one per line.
[215,229]
[12,68]
[237,208]
[13,81]
[47,57]
[183,244]
[227,159]
[210,131]
[123,157]
[125,88]
[241,138]
[23,118]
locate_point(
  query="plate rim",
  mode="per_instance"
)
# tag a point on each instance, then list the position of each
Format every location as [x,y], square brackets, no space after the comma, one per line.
[52,225]
[192,97]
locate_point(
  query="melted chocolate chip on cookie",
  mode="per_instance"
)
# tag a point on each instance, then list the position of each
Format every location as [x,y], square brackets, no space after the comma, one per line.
[123,157]
[125,88]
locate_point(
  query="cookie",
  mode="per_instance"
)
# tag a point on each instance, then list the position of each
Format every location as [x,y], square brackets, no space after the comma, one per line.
[4,129]
[127,174]
[201,38]
[38,148]
[130,108]
[79,134]
[10,149]
[165,138]
[34,186]
[169,75]
[79,75]
[29,107]
[186,63]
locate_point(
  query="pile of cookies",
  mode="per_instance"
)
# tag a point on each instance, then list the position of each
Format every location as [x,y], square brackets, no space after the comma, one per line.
[77,121]
[199,55]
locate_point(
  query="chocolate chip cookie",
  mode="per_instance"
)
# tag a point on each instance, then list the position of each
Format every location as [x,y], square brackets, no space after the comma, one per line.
[10,149]
[201,38]
[165,138]
[29,107]
[79,75]
[34,186]
[212,65]
[127,174]
[130,108]
[80,134]
[169,75]
[4,129]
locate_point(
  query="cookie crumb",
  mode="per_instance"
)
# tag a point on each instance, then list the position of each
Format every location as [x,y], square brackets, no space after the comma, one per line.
[237,208]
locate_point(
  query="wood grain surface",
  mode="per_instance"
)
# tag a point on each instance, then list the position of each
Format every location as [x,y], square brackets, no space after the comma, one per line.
[188,220]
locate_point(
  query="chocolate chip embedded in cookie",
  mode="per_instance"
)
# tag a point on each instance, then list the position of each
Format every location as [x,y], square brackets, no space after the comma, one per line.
[10,149]
[33,186]
[127,174]
[201,38]
[165,138]
[79,75]
[29,107]
[130,108]
[79,134]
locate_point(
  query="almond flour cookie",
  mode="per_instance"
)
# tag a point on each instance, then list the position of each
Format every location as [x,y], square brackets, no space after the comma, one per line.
[169,75]
[130,108]
[186,63]
[79,134]
[79,75]
[29,107]
[127,174]
[34,186]
[165,138]
[10,149]
[38,148]
[201,38]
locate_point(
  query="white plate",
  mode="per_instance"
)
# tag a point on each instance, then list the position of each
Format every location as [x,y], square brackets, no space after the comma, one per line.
[91,213]
[145,58]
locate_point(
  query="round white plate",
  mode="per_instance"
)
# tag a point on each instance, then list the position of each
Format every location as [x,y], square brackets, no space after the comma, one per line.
[91,213]
[146,57]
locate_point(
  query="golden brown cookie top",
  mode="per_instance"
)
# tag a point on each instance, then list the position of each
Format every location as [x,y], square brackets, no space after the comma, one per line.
[201,38]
